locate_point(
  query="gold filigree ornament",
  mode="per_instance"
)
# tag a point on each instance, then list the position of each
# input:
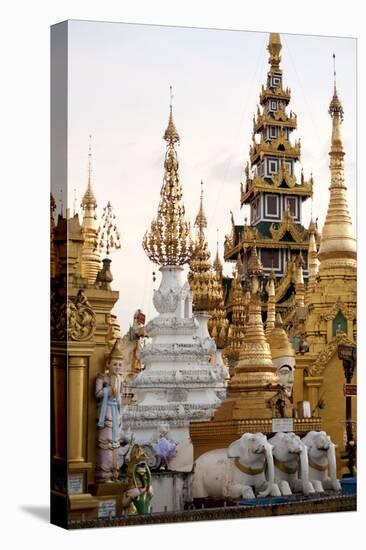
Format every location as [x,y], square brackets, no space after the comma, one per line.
[168,242]
[203,280]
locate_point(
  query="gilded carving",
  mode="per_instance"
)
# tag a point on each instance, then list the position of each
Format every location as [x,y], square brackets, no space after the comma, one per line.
[331,313]
[71,319]
[324,356]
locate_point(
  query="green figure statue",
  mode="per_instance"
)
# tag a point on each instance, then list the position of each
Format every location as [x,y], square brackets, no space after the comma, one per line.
[139,492]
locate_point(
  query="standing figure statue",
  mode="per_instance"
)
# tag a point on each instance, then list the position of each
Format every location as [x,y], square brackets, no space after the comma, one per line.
[108,390]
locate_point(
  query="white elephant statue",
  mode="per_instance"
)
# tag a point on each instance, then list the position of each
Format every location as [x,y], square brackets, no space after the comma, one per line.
[322,461]
[291,464]
[236,472]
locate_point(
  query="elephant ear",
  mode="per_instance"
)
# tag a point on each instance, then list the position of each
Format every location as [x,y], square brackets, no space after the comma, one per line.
[234,449]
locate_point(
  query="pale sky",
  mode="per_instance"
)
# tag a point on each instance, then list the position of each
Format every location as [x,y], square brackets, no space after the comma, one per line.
[119,77]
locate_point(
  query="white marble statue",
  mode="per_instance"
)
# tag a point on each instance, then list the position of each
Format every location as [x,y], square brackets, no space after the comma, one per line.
[236,472]
[322,461]
[290,463]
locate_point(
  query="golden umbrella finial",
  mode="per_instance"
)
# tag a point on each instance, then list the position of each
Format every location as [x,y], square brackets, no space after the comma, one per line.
[89,200]
[335,107]
[171,135]
[274,47]
[168,242]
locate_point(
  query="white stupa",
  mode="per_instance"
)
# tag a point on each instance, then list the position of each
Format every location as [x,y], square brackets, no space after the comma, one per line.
[180,383]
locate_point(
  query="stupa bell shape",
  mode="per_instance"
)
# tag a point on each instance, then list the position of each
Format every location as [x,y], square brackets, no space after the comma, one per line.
[179,385]
[90,255]
[338,243]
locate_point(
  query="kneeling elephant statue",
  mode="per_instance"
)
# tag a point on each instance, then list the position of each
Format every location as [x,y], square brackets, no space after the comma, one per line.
[244,470]
[322,461]
[291,464]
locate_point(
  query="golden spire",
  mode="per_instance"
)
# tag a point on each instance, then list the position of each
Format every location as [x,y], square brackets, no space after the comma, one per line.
[201,220]
[53,260]
[217,263]
[338,244]
[171,135]
[313,263]
[279,342]
[299,283]
[205,286]
[237,326]
[255,266]
[169,241]
[255,356]
[89,200]
[90,257]
[274,47]
[271,303]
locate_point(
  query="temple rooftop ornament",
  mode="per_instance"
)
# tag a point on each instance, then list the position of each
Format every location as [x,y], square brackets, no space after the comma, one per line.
[205,286]
[338,244]
[89,200]
[270,186]
[217,262]
[274,47]
[90,255]
[169,240]
[108,236]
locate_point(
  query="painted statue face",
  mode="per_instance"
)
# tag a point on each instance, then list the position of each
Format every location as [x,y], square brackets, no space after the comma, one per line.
[286,376]
[115,366]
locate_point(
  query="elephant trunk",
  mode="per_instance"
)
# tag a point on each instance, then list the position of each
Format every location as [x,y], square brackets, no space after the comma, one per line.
[332,467]
[304,469]
[270,470]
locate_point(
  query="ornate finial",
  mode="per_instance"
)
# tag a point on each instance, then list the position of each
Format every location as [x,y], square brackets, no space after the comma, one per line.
[89,200]
[108,237]
[171,135]
[169,240]
[61,199]
[90,158]
[217,263]
[204,283]
[74,203]
[335,107]
[201,220]
[274,47]
[255,266]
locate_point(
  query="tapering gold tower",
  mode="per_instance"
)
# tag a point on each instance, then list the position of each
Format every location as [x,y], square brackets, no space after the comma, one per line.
[338,244]
[271,303]
[218,324]
[238,320]
[206,288]
[313,263]
[299,284]
[331,297]
[255,378]
[90,255]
